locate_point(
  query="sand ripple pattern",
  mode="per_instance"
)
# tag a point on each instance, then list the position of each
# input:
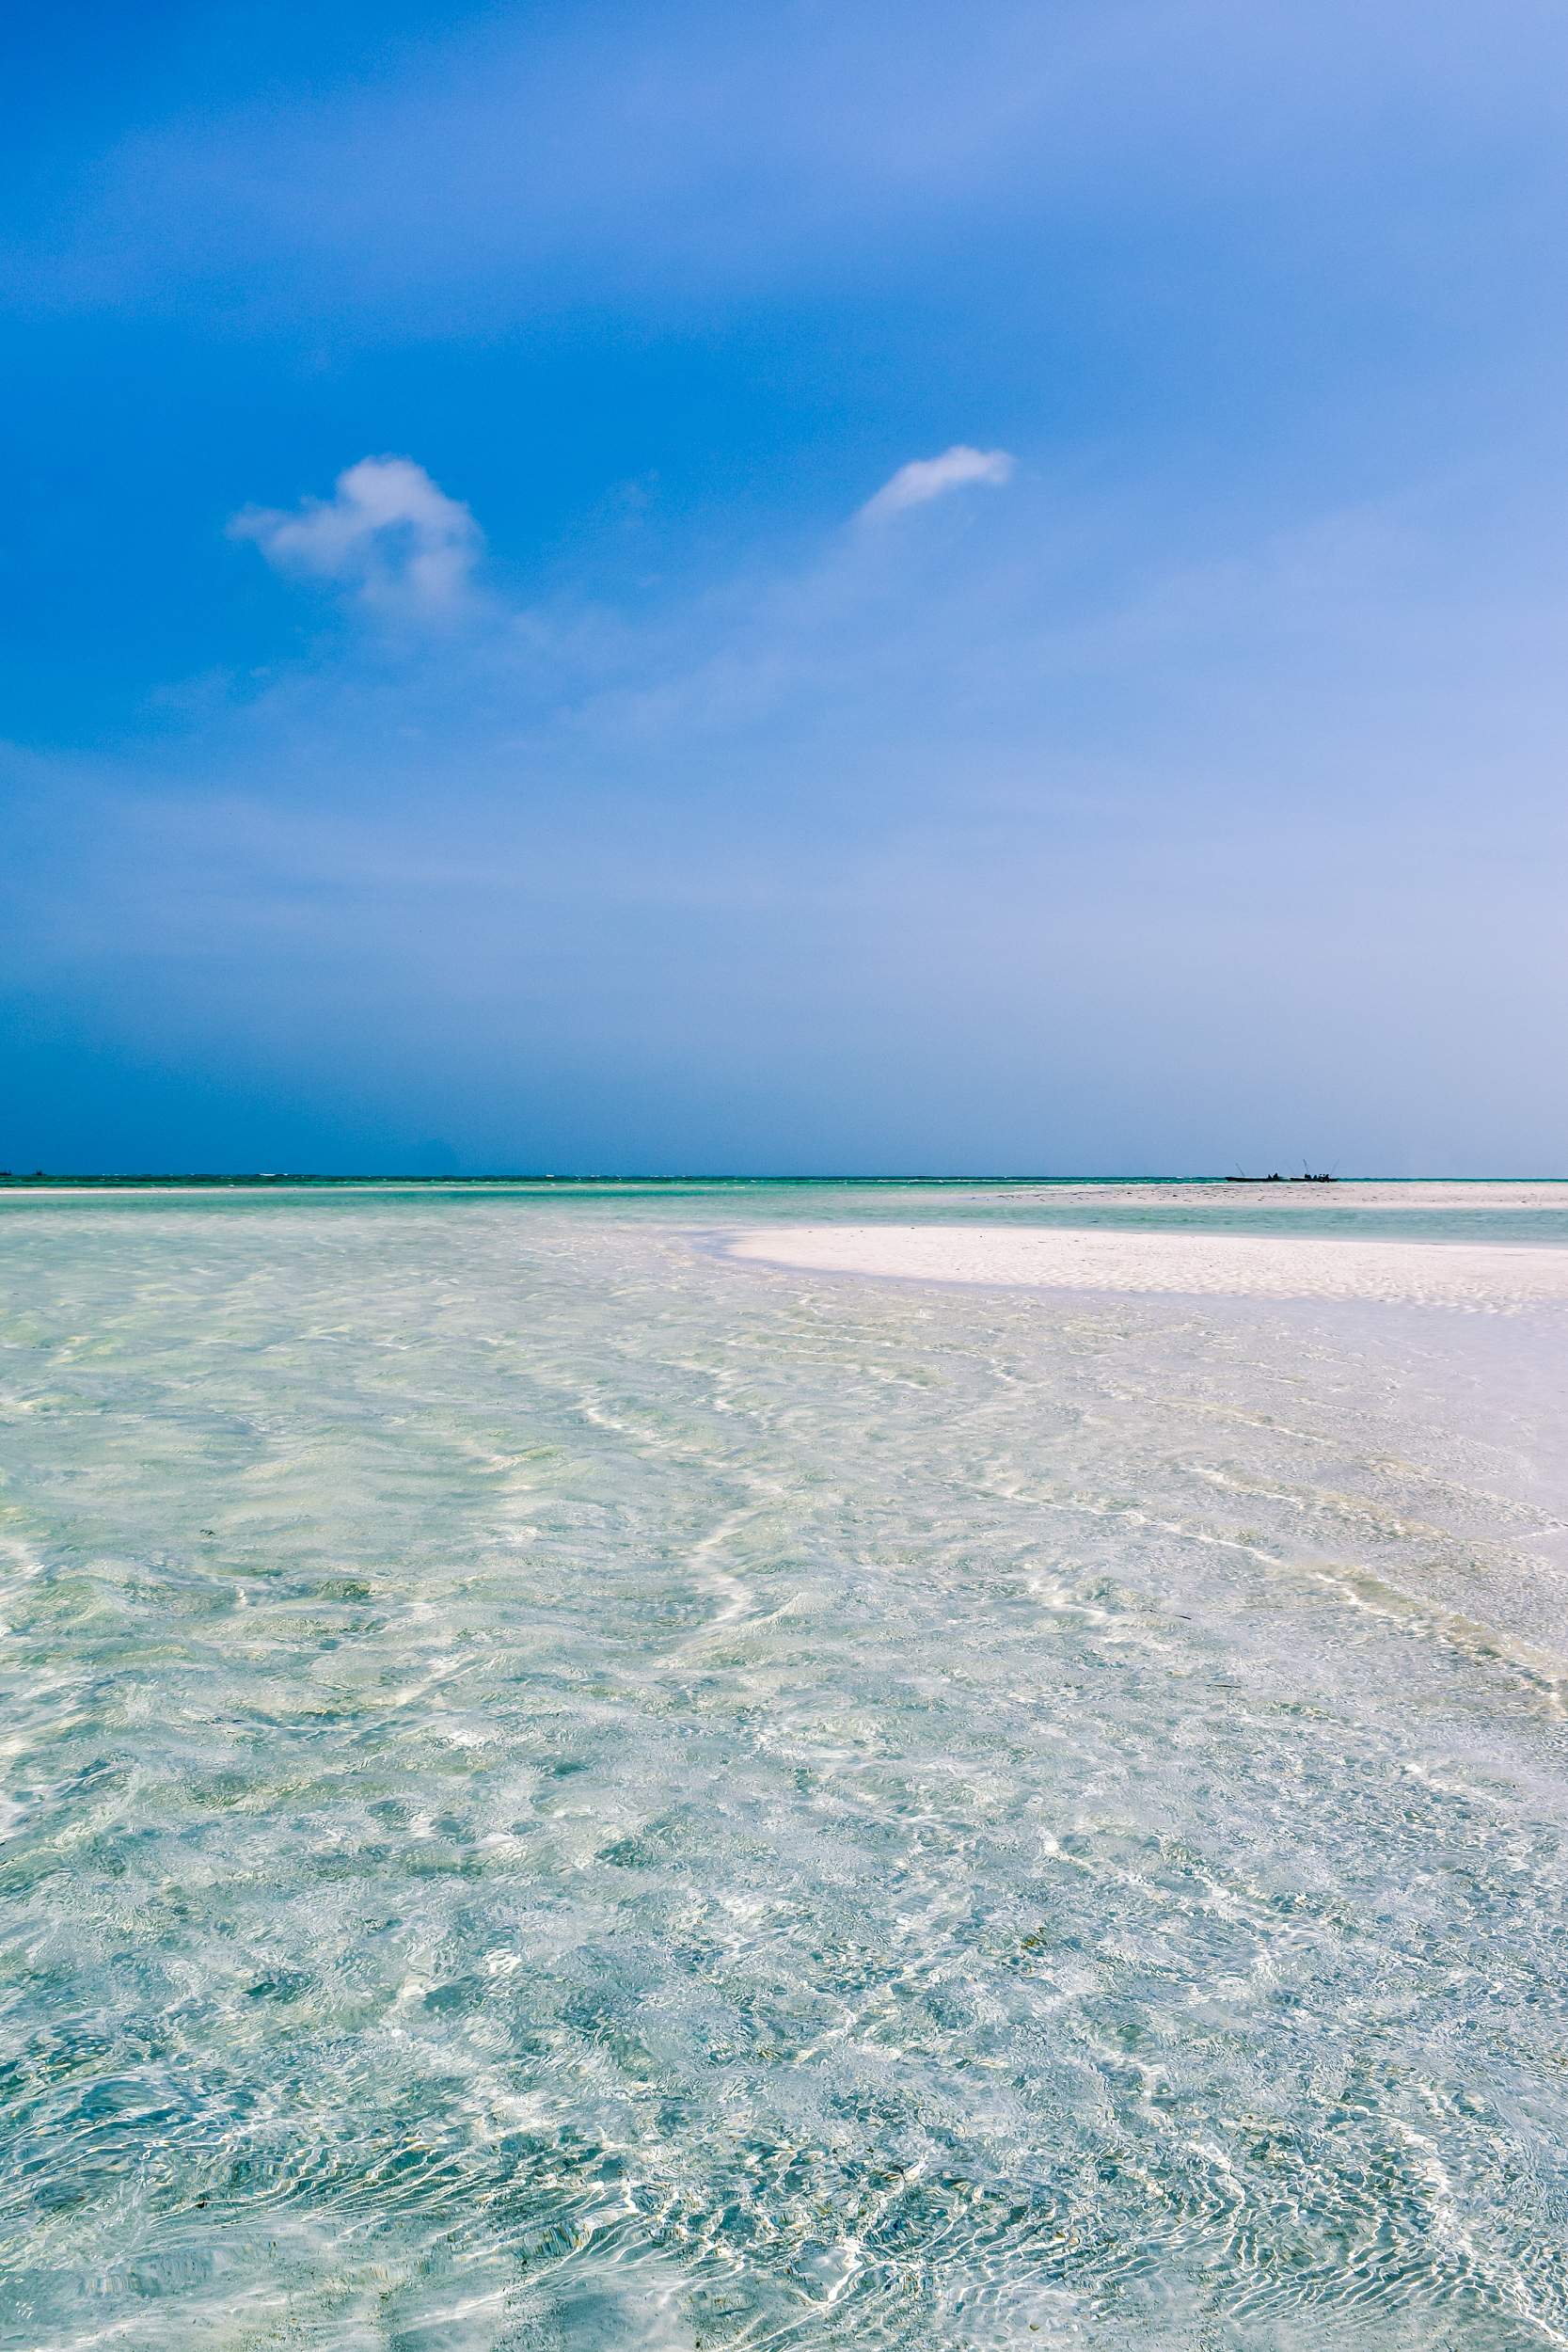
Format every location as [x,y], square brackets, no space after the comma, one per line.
[562,1792]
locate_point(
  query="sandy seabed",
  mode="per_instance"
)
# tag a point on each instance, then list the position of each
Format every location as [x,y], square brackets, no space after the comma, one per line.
[564,1792]
[1482,1277]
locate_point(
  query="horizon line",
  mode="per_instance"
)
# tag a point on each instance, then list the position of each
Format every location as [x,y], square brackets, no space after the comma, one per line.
[259,1178]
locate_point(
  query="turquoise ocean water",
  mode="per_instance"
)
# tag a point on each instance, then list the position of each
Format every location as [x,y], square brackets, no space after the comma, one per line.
[563,1791]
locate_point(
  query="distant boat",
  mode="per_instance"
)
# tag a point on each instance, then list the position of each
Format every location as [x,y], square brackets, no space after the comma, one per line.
[1277,1178]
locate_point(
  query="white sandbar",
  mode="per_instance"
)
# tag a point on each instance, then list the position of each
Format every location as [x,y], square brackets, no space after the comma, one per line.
[1483,1278]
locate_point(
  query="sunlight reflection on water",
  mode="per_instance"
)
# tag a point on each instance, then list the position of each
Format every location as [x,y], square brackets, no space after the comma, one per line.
[561,1791]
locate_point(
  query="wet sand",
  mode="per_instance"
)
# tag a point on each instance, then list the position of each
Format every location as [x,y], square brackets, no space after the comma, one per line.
[1482,1277]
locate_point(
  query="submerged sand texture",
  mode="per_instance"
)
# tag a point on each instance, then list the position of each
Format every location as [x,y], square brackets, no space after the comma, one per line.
[1483,1278]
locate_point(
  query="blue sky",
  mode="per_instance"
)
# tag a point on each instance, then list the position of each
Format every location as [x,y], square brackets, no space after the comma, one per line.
[472,697]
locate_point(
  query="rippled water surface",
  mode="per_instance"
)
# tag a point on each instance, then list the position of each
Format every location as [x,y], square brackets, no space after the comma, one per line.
[563,1791]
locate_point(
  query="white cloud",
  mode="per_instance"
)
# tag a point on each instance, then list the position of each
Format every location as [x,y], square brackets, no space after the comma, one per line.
[930,477]
[388,530]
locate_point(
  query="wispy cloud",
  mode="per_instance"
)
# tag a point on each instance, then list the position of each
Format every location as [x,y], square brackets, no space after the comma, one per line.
[957,834]
[932,477]
[387,532]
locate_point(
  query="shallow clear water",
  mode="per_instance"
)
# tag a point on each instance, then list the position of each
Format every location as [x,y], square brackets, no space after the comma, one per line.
[562,1790]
